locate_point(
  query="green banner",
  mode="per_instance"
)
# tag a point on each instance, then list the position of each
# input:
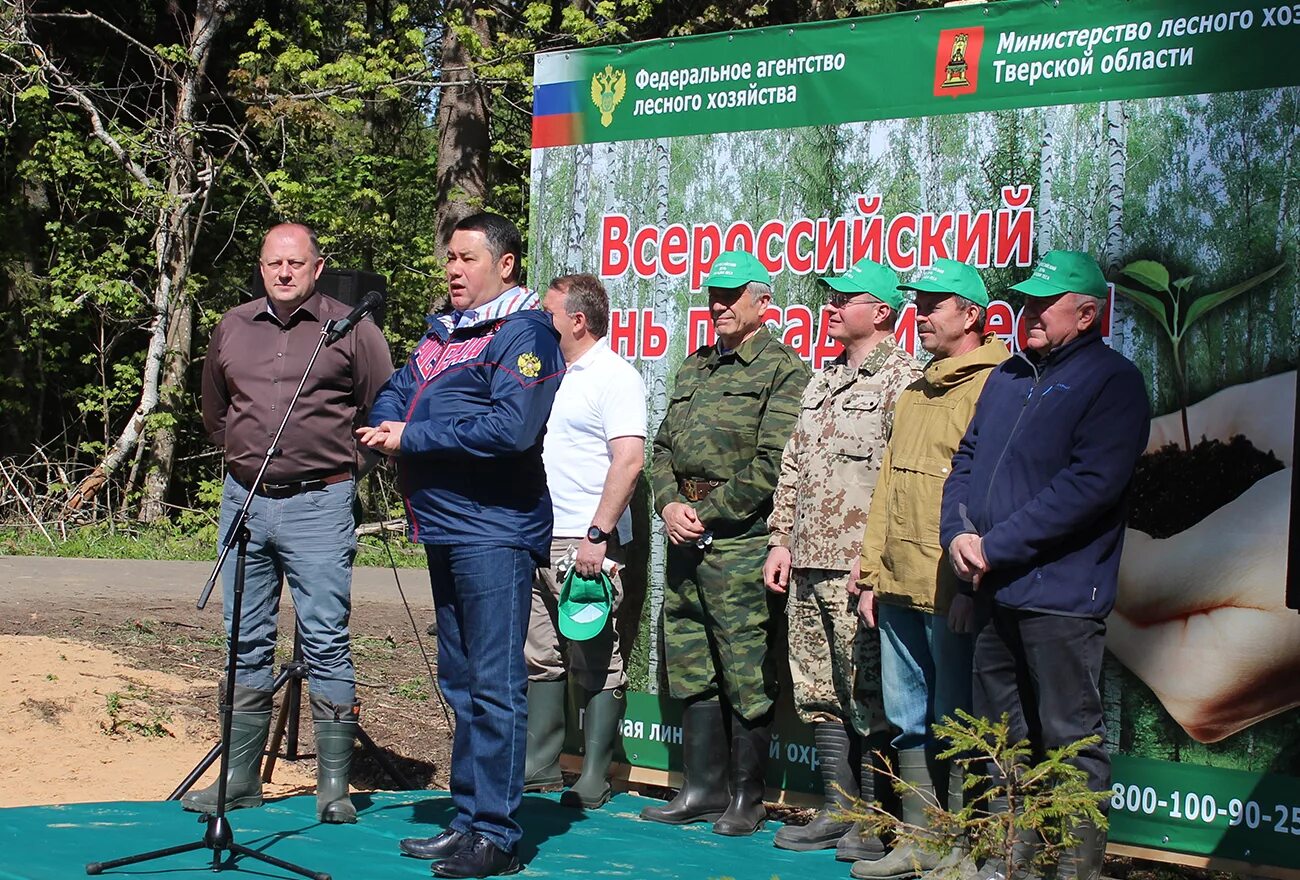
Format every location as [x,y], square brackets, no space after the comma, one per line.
[1192,168]
[958,60]
[1249,817]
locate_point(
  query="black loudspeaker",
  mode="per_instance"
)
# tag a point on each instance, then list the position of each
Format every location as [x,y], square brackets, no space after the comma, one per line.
[349,285]
[345,285]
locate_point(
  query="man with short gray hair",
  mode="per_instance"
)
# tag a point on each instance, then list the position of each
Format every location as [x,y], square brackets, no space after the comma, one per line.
[716,460]
[300,520]
[1033,516]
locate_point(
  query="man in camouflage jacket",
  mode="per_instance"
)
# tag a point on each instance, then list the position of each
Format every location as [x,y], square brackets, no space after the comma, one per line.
[828,472]
[715,464]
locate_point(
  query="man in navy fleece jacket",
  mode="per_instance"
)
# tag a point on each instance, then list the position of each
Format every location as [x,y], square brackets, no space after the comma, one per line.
[1033,517]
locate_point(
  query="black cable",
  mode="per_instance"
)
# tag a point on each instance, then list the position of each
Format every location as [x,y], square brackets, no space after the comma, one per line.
[415,629]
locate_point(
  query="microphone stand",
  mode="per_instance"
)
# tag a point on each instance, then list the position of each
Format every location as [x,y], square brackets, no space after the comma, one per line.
[218,837]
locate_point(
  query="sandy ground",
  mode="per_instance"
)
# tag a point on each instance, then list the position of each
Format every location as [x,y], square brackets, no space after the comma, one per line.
[80,722]
[77,724]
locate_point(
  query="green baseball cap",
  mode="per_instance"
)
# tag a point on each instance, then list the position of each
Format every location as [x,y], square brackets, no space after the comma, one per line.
[736,269]
[868,276]
[584,605]
[950,276]
[1061,272]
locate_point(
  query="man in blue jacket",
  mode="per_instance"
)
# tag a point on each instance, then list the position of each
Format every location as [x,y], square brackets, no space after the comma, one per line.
[465,418]
[1033,518]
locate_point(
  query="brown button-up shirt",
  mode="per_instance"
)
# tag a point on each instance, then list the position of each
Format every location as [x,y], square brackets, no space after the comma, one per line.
[253,367]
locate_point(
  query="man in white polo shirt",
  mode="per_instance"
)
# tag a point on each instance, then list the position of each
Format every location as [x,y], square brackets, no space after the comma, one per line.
[594,450]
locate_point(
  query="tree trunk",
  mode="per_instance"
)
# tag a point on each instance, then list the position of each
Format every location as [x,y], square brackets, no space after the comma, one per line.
[656,373]
[1116,117]
[464,140]
[1117,169]
[1046,175]
[578,215]
[161,455]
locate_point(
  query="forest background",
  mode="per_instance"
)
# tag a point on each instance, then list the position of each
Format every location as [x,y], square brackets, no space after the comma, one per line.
[145,148]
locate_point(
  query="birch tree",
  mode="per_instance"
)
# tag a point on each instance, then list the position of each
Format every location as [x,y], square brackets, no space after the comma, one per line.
[656,373]
[1116,122]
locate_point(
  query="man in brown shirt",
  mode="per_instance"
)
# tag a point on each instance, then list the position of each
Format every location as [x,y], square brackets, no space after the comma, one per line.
[301,516]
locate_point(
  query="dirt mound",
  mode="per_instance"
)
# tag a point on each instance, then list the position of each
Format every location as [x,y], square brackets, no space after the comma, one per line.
[80,724]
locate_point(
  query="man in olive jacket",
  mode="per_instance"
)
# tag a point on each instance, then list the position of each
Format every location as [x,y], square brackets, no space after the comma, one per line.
[909,588]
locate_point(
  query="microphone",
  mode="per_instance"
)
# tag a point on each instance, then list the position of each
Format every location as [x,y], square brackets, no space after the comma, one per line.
[371,301]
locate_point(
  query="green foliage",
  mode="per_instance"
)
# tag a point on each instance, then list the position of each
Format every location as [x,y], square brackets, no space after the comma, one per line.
[414,689]
[191,537]
[1175,311]
[1047,799]
[130,712]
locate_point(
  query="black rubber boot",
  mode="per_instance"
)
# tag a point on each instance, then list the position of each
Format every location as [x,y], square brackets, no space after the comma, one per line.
[1024,850]
[906,860]
[749,743]
[336,732]
[249,724]
[859,844]
[1084,860]
[545,734]
[703,796]
[600,728]
[839,788]
[957,864]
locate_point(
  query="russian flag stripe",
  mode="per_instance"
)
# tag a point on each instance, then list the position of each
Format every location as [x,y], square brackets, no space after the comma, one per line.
[555,99]
[557,131]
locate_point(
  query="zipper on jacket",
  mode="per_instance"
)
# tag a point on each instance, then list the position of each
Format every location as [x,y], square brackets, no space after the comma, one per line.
[1038,378]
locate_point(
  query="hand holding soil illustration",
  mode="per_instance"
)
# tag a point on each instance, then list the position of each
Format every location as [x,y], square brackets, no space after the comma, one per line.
[1201,615]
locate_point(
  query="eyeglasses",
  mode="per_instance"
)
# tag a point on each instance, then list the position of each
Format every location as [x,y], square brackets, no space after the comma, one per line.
[839,300]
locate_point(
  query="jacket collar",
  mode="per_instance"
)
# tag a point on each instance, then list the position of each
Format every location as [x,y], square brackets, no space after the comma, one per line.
[745,352]
[951,371]
[1056,357]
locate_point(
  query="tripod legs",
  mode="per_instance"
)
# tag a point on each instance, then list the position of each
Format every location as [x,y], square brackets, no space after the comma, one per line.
[217,838]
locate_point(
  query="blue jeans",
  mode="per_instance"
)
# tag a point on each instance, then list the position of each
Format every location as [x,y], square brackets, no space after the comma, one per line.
[925,672]
[482,594]
[310,541]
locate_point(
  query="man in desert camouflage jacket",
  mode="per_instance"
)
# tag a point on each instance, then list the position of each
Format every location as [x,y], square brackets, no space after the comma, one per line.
[828,471]
[715,464]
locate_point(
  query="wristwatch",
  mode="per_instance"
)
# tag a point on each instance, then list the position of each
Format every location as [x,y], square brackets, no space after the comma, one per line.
[596,536]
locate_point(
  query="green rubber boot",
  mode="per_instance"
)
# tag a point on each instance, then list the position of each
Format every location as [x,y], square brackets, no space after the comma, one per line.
[703,796]
[336,732]
[601,723]
[839,788]
[906,860]
[1084,860]
[858,844]
[250,723]
[545,734]
[957,864]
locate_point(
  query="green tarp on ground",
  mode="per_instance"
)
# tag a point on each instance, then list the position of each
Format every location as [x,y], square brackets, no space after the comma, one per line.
[54,843]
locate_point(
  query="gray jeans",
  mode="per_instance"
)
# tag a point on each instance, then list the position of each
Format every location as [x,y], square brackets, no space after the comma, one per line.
[310,541]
